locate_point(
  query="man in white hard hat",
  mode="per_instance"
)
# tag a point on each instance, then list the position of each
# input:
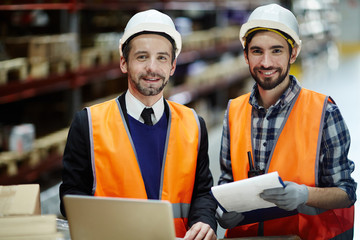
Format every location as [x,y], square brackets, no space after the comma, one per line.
[140,145]
[294,131]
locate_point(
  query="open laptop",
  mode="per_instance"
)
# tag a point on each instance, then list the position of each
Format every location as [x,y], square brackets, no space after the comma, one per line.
[106,218]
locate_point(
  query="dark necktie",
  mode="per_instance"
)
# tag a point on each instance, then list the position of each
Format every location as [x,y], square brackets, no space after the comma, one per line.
[146,115]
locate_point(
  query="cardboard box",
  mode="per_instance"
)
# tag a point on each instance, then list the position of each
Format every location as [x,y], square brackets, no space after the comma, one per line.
[23,199]
[42,48]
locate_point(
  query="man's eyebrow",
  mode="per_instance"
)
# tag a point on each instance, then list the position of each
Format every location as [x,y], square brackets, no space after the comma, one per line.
[163,53]
[146,52]
[272,47]
[277,46]
[141,52]
[255,47]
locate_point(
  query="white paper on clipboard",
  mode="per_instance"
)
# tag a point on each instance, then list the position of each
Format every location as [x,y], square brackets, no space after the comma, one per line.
[244,195]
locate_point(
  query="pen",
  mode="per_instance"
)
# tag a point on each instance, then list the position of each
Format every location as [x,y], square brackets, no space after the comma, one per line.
[250,161]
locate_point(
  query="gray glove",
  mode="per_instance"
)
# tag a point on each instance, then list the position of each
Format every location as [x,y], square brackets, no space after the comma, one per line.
[228,220]
[288,198]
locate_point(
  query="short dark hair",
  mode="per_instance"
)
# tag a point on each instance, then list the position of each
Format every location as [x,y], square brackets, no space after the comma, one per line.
[127,46]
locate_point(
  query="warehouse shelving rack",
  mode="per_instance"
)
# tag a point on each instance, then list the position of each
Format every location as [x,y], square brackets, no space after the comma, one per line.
[72,83]
[70,86]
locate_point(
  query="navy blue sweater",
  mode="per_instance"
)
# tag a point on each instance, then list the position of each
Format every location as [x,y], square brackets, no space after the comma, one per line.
[149,142]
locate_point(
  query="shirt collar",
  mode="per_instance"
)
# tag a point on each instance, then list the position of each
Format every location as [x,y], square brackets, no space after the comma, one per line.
[285,98]
[135,107]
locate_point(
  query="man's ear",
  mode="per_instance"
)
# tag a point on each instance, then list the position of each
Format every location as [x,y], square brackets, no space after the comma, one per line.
[293,55]
[173,67]
[123,64]
[246,58]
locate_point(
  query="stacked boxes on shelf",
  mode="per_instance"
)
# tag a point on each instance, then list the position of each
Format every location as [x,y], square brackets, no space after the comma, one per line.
[207,39]
[103,50]
[13,70]
[44,149]
[41,55]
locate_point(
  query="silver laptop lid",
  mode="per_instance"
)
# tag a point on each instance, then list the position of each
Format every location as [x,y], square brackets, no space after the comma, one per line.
[118,218]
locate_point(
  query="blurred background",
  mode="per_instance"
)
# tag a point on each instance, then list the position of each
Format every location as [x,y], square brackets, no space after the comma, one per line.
[56,57]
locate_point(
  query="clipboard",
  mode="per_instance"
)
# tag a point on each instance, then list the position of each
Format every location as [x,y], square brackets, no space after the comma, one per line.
[244,196]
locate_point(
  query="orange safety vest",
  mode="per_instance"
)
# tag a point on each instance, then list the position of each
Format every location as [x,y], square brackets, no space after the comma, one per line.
[295,157]
[115,166]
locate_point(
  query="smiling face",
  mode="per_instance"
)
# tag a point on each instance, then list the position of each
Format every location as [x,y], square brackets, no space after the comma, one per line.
[149,66]
[269,60]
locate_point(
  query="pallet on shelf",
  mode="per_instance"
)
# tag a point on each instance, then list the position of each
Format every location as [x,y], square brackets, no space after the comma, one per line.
[39,69]
[66,64]
[43,148]
[95,56]
[13,70]
[46,54]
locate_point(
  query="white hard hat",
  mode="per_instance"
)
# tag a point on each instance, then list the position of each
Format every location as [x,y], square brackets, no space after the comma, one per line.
[153,21]
[274,17]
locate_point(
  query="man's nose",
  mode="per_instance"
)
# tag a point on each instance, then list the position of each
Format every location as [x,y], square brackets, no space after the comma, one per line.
[151,65]
[266,60]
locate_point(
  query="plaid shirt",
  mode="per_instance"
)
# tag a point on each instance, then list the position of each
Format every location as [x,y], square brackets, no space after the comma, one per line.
[334,167]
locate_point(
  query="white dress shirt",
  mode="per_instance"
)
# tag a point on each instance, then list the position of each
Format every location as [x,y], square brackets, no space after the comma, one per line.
[134,108]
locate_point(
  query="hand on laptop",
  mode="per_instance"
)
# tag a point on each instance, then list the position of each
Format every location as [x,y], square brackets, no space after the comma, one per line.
[200,231]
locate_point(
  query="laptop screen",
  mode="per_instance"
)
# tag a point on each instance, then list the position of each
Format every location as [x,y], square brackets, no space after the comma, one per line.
[118,218]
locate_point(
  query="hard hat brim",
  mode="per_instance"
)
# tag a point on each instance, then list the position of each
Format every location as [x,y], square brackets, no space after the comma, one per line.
[268,24]
[153,27]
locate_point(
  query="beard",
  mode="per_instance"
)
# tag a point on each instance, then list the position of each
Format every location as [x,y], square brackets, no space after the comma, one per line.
[151,90]
[269,83]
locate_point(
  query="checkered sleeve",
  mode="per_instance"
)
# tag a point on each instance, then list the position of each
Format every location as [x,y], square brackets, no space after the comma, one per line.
[335,167]
[225,161]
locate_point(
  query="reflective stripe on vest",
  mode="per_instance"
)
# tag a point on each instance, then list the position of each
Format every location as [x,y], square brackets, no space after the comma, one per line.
[299,140]
[115,166]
